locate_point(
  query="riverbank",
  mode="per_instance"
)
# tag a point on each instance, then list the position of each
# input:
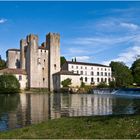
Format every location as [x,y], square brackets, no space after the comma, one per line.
[122,126]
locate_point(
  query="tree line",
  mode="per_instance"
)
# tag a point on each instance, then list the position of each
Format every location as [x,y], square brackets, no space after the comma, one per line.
[123,76]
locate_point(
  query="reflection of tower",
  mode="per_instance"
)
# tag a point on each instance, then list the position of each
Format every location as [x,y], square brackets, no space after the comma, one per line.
[39,107]
[35,108]
[55,106]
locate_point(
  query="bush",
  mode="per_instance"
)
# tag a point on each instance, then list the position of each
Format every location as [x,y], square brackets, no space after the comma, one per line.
[9,84]
[102,85]
[66,82]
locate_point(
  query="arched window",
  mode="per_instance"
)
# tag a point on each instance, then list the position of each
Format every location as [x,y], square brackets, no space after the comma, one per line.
[81,78]
[85,79]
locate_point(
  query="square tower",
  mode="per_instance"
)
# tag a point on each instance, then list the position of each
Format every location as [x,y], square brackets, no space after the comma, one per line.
[53,45]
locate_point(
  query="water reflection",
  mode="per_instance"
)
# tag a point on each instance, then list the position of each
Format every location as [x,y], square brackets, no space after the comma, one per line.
[25,109]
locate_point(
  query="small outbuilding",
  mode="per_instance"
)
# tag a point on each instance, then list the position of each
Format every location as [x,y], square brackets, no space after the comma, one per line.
[20,74]
[64,74]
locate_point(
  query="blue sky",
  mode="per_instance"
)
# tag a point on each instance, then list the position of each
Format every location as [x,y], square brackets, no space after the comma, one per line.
[97,32]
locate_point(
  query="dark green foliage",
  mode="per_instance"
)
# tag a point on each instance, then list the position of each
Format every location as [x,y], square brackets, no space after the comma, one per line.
[62,60]
[9,84]
[136,71]
[112,84]
[9,102]
[2,63]
[102,85]
[122,74]
[82,84]
[66,82]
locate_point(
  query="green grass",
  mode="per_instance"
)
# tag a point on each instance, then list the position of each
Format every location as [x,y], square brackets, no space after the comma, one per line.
[81,127]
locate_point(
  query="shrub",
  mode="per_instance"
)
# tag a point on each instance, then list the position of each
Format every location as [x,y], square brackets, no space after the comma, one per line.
[102,85]
[9,84]
[66,82]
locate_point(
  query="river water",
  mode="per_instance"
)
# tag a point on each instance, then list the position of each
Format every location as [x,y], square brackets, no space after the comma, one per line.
[24,109]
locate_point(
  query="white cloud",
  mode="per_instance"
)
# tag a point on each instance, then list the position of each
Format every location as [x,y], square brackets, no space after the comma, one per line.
[2,20]
[128,56]
[129,25]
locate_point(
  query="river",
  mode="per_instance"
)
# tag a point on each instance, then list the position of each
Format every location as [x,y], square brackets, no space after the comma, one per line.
[19,110]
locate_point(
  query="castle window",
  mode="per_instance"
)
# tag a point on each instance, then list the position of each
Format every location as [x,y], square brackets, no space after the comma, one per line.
[105,69]
[44,60]
[85,79]
[92,79]
[101,73]
[85,72]
[81,78]
[92,73]
[20,77]
[98,73]
[55,66]
[102,80]
[85,67]
[81,72]
[92,68]
[81,67]
[43,79]
[72,67]
[41,50]
[105,79]
[42,68]
[98,80]
[76,67]
[105,73]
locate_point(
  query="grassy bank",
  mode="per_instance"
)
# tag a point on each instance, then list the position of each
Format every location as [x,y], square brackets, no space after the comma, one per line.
[81,127]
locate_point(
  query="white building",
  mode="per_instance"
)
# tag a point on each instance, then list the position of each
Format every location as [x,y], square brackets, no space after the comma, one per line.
[90,73]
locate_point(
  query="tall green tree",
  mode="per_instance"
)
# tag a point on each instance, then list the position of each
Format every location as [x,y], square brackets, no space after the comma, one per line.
[62,60]
[136,71]
[9,84]
[2,63]
[122,74]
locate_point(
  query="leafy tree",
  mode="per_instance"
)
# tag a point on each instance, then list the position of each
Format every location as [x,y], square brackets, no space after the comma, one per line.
[122,74]
[112,84]
[9,84]
[136,71]
[2,63]
[62,60]
[102,85]
[82,84]
[66,82]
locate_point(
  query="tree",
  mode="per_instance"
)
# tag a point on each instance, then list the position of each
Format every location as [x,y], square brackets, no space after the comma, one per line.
[122,74]
[9,84]
[102,85]
[2,63]
[66,82]
[62,60]
[136,71]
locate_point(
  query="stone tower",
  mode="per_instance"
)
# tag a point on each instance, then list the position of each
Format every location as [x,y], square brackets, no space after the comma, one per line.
[53,45]
[31,60]
[23,44]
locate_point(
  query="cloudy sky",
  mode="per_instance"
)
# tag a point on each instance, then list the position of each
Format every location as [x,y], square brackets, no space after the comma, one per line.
[97,32]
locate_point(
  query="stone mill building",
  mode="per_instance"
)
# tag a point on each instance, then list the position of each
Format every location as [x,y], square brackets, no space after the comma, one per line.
[35,65]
